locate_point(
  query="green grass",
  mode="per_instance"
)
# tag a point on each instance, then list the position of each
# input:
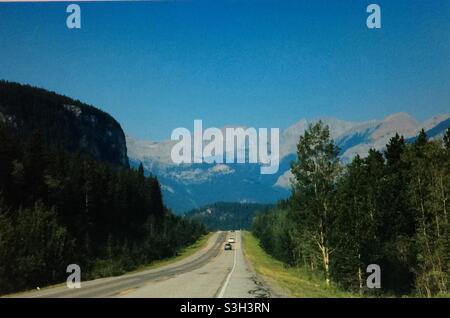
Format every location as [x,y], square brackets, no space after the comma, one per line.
[184,253]
[294,281]
[106,272]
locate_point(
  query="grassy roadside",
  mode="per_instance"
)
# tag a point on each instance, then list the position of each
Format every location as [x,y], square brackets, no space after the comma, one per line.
[184,253]
[295,282]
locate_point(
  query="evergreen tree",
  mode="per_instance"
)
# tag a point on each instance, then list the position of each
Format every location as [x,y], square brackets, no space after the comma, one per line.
[447,139]
[156,196]
[6,247]
[389,210]
[356,232]
[8,153]
[421,139]
[397,254]
[39,244]
[394,150]
[61,208]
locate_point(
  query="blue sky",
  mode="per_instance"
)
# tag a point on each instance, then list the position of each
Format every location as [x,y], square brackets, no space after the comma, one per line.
[156,66]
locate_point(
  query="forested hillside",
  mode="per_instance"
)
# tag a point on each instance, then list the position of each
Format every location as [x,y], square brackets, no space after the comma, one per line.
[60,207]
[62,122]
[389,209]
[227,215]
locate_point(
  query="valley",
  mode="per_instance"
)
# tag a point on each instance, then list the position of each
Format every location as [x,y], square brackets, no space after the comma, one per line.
[224,149]
[190,186]
[227,215]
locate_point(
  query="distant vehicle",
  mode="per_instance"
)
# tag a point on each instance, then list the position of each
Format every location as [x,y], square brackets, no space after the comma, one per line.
[232,231]
[231,240]
[228,247]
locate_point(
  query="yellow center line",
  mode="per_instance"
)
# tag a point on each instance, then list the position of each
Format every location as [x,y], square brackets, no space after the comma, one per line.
[126,291]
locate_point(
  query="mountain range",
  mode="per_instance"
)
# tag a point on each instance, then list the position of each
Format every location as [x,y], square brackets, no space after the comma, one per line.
[190,186]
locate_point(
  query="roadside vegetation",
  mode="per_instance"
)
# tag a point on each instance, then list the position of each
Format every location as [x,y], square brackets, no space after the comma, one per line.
[293,281]
[389,209]
[59,208]
[181,255]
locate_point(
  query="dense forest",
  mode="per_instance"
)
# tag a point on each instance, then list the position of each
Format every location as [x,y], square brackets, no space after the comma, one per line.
[227,215]
[61,207]
[390,209]
[62,122]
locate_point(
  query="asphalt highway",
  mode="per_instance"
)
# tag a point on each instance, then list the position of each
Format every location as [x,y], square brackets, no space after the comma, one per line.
[210,272]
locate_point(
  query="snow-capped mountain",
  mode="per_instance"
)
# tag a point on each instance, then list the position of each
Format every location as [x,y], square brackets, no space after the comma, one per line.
[188,186]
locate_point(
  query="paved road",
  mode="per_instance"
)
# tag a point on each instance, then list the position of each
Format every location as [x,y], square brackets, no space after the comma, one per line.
[211,272]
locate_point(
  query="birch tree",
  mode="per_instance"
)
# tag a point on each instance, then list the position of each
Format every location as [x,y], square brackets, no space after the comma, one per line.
[313,211]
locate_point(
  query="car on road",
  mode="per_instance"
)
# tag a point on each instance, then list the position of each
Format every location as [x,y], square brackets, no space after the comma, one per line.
[228,247]
[231,240]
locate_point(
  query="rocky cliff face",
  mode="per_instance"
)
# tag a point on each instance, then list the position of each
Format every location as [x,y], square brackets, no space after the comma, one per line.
[63,122]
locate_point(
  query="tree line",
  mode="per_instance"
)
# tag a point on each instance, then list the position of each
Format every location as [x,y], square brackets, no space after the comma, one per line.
[227,215]
[389,208]
[59,208]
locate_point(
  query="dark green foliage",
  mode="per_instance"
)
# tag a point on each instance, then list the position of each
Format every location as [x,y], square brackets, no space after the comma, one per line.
[58,208]
[62,122]
[447,139]
[428,190]
[39,248]
[273,230]
[227,215]
[313,197]
[358,223]
[394,150]
[389,210]
[422,139]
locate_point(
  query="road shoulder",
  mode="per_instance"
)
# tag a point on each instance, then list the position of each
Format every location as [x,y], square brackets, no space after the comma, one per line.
[288,281]
[275,290]
[192,252]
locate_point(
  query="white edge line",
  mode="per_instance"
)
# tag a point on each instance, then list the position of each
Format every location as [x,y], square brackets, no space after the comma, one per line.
[225,285]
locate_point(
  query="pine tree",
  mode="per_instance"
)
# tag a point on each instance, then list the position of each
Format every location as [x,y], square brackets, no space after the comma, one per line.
[40,244]
[34,165]
[350,228]
[58,208]
[7,250]
[447,139]
[8,153]
[422,139]
[156,196]
[398,218]
[394,150]
[389,210]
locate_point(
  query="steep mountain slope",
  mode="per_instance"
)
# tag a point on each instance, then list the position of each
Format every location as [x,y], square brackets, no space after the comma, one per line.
[63,122]
[193,185]
[66,195]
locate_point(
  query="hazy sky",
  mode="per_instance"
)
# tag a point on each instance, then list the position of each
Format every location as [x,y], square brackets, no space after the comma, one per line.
[156,66]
